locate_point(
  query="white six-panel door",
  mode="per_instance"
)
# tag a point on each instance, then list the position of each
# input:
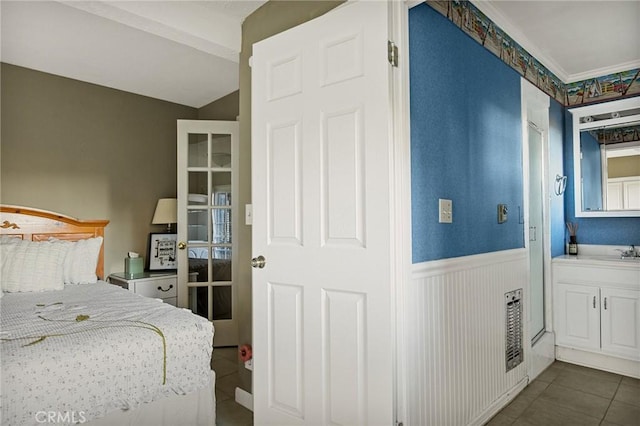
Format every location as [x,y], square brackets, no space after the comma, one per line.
[321,178]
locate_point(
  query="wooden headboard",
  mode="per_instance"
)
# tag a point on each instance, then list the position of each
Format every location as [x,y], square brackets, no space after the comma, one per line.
[39,225]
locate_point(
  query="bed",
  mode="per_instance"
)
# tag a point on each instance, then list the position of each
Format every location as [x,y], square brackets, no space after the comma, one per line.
[75,349]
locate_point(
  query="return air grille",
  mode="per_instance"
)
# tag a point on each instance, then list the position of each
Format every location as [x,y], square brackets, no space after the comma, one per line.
[513,315]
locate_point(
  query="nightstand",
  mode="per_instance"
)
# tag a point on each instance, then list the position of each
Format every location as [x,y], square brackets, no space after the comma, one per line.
[158,285]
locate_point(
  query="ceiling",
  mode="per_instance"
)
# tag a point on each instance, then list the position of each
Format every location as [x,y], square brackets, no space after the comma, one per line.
[182,51]
[575,40]
[187,52]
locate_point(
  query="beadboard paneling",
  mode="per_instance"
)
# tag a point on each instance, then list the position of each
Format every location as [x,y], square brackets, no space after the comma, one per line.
[456,337]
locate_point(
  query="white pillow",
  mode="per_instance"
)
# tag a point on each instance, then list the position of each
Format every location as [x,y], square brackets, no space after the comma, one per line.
[32,266]
[5,239]
[81,261]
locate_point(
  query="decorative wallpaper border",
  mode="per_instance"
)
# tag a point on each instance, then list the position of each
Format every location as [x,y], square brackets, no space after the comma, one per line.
[483,30]
[606,87]
[616,134]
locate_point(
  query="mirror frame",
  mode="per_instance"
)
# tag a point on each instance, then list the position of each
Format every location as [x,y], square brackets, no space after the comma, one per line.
[578,114]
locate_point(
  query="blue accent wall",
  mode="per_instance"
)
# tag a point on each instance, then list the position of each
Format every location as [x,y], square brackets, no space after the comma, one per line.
[594,230]
[556,167]
[466,142]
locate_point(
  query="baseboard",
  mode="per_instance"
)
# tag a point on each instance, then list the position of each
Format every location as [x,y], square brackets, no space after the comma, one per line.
[244,398]
[541,355]
[611,364]
[499,403]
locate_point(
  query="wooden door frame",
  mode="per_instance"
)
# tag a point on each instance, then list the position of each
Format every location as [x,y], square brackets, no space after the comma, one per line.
[401,196]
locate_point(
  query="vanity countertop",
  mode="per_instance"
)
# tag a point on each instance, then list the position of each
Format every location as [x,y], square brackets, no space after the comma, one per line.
[610,261]
[597,259]
[600,255]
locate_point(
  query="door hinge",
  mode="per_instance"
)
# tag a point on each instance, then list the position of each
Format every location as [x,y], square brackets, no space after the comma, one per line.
[392,53]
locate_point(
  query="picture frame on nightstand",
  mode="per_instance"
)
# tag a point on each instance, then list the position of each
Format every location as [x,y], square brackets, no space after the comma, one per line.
[163,252]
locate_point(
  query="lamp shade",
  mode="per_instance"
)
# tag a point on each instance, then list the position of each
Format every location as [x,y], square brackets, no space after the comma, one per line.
[166,212]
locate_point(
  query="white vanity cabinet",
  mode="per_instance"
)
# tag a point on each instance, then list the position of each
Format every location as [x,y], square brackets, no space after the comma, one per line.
[596,312]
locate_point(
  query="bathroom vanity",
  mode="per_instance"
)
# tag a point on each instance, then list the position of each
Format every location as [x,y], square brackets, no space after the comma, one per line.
[597,311]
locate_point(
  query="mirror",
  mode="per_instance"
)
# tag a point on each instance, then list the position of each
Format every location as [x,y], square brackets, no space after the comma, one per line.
[606,159]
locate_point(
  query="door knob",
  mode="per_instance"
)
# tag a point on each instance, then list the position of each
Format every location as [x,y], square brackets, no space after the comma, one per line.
[182,245]
[258,262]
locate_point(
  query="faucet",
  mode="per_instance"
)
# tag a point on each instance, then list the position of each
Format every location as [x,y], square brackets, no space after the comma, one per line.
[630,252]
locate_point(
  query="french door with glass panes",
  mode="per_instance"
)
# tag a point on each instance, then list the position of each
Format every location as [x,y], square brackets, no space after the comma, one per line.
[207,221]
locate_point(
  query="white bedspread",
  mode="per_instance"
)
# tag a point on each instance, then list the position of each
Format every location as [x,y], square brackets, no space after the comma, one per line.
[90,349]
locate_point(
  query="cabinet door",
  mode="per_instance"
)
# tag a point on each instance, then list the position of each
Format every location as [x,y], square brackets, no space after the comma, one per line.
[631,190]
[577,310]
[614,196]
[621,322]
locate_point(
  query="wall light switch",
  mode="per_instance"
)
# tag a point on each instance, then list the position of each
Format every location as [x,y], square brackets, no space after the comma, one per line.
[248,214]
[446,211]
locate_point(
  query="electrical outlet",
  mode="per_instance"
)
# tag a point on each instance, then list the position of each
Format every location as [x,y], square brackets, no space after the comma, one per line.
[502,213]
[445,208]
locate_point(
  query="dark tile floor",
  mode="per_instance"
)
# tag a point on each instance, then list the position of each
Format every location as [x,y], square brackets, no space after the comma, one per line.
[228,411]
[563,395]
[567,394]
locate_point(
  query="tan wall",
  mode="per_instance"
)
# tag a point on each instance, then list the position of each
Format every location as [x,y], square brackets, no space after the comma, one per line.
[271,18]
[623,166]
[225,108]
[89,152]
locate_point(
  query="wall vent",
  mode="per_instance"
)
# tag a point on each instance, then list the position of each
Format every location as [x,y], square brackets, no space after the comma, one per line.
[513,315]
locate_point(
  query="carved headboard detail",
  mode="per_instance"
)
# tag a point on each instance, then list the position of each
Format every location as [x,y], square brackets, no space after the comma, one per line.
[39,225]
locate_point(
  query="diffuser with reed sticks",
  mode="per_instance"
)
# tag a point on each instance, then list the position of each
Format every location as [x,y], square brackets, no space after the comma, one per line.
[573,242]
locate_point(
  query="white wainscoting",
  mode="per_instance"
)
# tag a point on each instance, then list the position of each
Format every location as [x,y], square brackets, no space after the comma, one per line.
[456,338]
